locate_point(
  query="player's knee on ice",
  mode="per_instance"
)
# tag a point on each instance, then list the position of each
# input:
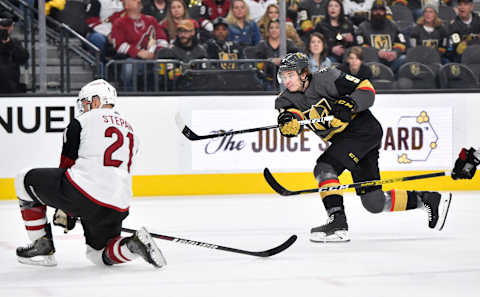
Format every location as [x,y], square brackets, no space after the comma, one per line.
[95,256]
[373,201]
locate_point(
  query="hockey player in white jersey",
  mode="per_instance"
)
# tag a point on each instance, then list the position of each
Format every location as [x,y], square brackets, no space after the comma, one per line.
[93,183]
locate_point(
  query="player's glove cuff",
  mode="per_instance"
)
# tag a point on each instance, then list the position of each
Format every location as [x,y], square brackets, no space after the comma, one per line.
[289,122]
[62,219]
[343,109]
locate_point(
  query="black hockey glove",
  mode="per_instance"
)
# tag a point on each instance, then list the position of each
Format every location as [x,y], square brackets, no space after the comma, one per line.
[288,121]
[465,165]
[343,109]
[62,219]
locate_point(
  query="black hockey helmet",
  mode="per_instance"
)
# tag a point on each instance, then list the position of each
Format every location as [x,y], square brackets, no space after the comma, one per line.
[294,61]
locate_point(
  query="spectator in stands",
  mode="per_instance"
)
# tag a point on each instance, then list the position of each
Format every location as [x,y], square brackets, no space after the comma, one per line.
[218,47]
[12,55]
[464,30]
[156,8]
[317,52]
[337,29]
[186,46]
[136,36]
[382,34]
[415,6]
[101,14]
[354,64]
[211,10]
[273,12]
[176,13]
[310,13]
[270,47]
[357,10]
[258,8]
[242,28]
[292,11]
[429,30]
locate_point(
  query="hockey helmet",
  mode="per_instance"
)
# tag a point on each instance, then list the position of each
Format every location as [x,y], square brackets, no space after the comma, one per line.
[100,88]
[294,61]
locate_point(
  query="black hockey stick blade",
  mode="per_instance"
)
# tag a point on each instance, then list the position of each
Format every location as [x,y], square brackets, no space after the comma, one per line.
[267,253]
[279,188]
[285,192]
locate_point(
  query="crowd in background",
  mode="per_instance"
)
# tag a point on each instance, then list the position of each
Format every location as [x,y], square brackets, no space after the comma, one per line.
[331,32]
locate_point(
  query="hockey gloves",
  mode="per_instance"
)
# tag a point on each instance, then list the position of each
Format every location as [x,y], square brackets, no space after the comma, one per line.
[62,219]
[288,122]
[343,109]
[465,165]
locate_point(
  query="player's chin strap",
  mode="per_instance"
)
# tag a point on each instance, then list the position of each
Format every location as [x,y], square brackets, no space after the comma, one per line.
[304,81]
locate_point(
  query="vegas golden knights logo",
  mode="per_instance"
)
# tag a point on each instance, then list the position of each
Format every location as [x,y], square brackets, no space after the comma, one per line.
[227,56]
[415,69]
[455,70]
[381,41]
[375,70]
[430,43]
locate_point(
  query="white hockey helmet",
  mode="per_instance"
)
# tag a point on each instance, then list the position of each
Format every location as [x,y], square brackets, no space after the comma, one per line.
[106,93]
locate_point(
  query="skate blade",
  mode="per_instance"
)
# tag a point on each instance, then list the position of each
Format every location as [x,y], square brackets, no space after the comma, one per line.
[443,217]
[48,261]
[338,236]
[152,249]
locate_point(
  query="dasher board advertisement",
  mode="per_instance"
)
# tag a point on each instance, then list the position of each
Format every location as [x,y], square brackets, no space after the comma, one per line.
[413,138]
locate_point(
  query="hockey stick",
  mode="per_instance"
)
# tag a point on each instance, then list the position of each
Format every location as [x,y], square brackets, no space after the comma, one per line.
[193,136]
[266,253]
[284,192]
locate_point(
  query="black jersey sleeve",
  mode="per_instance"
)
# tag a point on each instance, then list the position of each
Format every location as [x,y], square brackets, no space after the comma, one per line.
[71,144]
[361,91]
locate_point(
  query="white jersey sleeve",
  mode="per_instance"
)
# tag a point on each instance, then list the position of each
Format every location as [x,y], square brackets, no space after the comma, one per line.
[102,171]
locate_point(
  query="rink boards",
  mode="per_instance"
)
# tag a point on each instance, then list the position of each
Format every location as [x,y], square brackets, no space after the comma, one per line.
[422,133]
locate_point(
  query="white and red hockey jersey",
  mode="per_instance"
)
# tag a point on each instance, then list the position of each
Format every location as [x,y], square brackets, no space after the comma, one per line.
[98,150]
[101,14]
[129,36]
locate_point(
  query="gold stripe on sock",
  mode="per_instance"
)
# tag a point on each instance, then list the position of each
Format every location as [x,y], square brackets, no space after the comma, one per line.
[399,201]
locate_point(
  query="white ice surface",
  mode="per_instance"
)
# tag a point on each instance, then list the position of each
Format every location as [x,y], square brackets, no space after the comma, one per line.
[391,254]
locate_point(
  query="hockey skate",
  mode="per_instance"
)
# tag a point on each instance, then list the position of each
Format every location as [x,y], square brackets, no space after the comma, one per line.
[40,252]
[335,230]
[142,243]
[437,206]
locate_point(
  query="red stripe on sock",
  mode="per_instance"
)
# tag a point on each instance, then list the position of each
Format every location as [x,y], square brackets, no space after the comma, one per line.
[393,200]
[120,252]
[110,252]
[35,228]
[328,181]
[34,213]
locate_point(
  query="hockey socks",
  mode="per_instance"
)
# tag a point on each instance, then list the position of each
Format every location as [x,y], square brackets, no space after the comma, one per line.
[117,252]
[401,200]
[35,219]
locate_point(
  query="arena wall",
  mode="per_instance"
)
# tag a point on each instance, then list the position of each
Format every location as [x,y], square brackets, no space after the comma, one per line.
[422,133]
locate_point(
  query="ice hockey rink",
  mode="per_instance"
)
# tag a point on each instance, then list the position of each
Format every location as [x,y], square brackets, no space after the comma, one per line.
[390,254]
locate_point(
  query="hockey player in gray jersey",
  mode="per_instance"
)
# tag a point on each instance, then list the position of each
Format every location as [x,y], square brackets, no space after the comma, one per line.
[355,136]
[93,183]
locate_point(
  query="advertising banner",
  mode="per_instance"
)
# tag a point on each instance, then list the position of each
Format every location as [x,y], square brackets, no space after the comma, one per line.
[413,139]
